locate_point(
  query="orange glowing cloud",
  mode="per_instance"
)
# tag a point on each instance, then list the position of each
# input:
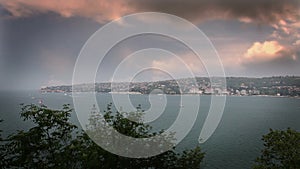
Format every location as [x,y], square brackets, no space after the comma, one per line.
[99,10]
[265,51]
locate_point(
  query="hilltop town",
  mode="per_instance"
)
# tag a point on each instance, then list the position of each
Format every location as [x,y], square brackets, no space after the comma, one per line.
[240,86]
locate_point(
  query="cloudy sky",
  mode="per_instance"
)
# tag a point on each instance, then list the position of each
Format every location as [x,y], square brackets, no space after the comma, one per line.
[40,40]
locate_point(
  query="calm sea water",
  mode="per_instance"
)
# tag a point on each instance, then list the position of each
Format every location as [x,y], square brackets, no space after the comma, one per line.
[235,143]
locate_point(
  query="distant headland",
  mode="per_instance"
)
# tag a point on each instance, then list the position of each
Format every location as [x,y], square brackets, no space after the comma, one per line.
[239,86]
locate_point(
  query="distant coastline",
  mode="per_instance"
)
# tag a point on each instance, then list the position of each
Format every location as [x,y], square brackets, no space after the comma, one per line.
[279,86]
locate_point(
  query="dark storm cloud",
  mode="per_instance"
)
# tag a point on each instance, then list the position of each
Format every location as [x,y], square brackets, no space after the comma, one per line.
[263,11]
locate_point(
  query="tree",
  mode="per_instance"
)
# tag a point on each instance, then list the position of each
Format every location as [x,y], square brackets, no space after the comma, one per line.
[282,150]
[42,146]
[96,157]
[2,162]
[54,143]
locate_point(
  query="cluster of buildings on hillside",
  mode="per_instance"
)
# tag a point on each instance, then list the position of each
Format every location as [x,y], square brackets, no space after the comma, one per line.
[185,86]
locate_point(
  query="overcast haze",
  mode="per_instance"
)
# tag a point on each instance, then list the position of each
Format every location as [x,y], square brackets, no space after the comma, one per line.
[40,40]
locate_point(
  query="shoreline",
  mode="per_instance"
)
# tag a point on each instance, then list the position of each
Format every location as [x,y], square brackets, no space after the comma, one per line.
[185,94]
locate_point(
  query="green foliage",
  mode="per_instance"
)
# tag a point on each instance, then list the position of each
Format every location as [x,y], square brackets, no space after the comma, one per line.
[42,146]
[282,150]
[53,143]
[188,160]
[96,157]
[2,162]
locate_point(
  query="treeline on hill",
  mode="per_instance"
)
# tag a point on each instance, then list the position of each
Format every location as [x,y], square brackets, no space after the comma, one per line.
[54,142]
[264,81]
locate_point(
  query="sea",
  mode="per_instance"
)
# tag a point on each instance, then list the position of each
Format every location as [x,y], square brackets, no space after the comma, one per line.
[235,143]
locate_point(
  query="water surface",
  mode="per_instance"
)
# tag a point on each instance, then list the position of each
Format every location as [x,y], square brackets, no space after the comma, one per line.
[235,143]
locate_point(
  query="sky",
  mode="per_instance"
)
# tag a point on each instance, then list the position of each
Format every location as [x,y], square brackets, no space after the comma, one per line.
[41,40]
